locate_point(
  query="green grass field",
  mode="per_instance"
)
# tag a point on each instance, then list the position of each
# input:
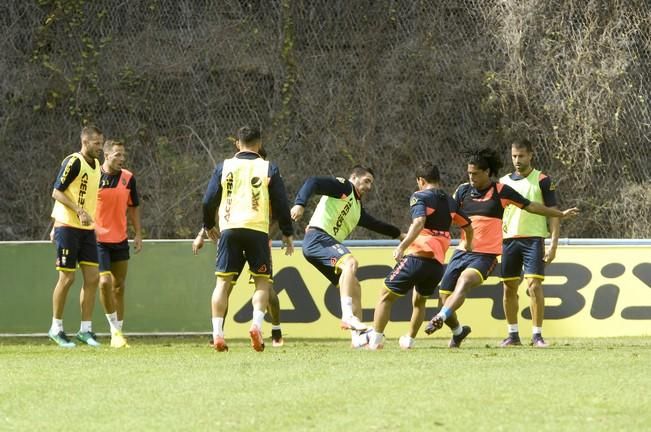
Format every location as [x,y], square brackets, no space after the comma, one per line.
[181,384]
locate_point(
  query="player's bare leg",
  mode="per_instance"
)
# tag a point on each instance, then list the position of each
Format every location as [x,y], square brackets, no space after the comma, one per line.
[535,289]
[452,321]
[511,303]
[274,313]
[119,273]
[260,303]
[459,332]
[417,314]
[106,291]
[59,295]
[274,306]
[351,295]
[381,317]
[90,274]
[219,306]
[417,317]
[87,295]
[468,280]
[111,290]
[106,299]
[383,310]
[108,302]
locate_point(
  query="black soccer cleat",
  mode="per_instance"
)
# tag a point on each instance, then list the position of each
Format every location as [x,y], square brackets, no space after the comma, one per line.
[434,324]
[455,341]
[277,338]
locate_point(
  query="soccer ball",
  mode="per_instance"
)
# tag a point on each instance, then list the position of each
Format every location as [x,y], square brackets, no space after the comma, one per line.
[359,340]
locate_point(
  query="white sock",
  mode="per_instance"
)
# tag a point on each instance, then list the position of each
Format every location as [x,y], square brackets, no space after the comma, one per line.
[86,326]
[276,327]
[536,330]
[120,324]
[258,318]
[57,326]
[375,338]
[457,330]
[112,319]
[217,327]
[346,306]
[513,328]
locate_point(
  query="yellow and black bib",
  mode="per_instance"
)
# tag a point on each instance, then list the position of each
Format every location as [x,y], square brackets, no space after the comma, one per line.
[82,190]
[520,223]
[245,195]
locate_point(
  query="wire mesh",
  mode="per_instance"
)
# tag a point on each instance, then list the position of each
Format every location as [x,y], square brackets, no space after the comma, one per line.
[332,83]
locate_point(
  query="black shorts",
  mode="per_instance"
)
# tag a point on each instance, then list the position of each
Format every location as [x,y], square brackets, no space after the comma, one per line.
[74,245]
[251,279]
[108,253]
[527,252]
[422,274]
[325,253]
[482,263]
[239,245]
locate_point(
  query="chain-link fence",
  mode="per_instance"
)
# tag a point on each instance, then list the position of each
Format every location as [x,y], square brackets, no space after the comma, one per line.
[332,83]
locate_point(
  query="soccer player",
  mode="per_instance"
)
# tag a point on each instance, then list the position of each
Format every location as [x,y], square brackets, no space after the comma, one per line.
[75,201]
[420,255]
[524,243]
[339,211]
[244,190]
[483,200]
[274,304]
[117,200]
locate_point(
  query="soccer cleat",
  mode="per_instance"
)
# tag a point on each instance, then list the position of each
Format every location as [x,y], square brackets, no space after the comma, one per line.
[277,338]
[353,323]
[118,340]
[61,339]
[360,339]
[537,341]
[256,338]
[434,324]
[406,342]
[455,341]
[511,341]
[88,338]
[220,344]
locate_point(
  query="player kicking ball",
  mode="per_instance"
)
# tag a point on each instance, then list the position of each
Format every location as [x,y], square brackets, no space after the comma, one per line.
[420,255]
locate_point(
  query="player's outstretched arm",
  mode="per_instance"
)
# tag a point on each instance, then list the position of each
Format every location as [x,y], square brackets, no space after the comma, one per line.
[329,186]
[570,213]
[540,209]
[369,222]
